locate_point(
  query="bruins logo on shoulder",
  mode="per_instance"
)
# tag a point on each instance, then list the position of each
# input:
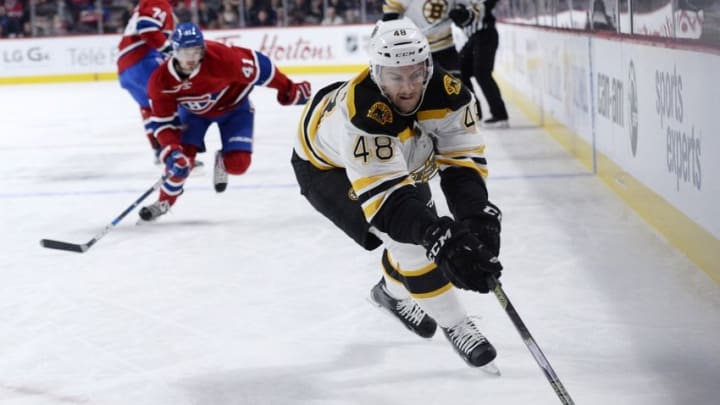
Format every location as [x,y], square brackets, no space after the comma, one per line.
[381,113]
[452,85]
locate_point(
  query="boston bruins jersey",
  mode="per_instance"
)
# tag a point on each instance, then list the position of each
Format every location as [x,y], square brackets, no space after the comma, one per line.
[351,125]
[431,16]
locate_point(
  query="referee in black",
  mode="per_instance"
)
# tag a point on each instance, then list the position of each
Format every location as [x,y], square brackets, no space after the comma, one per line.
[477,57]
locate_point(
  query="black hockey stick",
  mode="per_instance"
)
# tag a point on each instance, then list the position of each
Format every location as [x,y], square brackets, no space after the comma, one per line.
[532,345]
[82,248]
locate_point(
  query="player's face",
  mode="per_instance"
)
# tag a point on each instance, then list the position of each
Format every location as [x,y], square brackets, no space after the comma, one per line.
[404,85]
[189,58]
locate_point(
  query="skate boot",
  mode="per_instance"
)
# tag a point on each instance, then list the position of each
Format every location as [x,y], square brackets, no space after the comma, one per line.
[498,123]
[406,310]
[471,345]
[220,176]
[154,210]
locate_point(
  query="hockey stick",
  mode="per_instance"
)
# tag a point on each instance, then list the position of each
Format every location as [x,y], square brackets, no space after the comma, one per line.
[82,248]
[532,345]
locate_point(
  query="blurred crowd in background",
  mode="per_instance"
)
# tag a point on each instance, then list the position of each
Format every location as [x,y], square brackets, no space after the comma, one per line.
[686,19]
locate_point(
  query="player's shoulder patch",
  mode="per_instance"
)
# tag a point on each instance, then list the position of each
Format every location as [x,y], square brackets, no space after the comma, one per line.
[451,84]
[445,91]
[369,110]
[381,113]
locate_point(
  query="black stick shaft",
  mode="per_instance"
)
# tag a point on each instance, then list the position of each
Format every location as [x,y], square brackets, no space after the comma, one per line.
[540,358]
[82,248]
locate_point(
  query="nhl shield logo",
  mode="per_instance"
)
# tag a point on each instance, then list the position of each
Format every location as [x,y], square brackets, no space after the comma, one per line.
[381,113]
[351,43]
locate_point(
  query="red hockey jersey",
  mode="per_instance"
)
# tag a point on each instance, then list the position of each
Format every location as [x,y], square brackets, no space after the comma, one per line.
[149,27]
[223,80]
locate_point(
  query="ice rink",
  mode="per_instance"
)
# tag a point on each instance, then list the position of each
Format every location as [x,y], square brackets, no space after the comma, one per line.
[251,297]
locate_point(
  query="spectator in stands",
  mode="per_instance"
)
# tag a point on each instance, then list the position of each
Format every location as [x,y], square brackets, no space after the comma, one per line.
[264,17]
[229,17]
[127,12]
[352,16]
[260,14]
[331,17]
[3,22]
[340,6]
[14,10]
[182,12]
[207,16]
[60,25]
[316,12]
[298,11]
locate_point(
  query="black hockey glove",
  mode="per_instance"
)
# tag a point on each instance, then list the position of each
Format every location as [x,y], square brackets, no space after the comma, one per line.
[469,19]
[460,15]
[486,227]
[464,260]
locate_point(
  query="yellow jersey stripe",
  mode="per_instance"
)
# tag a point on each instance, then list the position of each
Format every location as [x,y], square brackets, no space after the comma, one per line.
[434,293]
[351,92]
[433,114]
[406,134]
[462,163]
[365,182]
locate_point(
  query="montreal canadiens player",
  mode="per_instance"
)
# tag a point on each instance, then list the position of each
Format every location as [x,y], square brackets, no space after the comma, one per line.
[144,46]
[365,151]
[207,82]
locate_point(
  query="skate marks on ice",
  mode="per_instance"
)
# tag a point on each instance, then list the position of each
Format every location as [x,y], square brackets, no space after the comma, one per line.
[359,374]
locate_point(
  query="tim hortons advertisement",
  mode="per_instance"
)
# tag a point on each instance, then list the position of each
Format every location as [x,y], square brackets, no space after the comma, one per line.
[314,46]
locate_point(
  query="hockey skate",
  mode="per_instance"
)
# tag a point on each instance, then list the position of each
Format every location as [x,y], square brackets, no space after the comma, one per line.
[406,310]
[472,346]
[154,210]
[220,176]
[497,123]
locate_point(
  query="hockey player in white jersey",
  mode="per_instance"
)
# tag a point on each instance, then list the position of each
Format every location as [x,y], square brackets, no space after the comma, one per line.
[366,149]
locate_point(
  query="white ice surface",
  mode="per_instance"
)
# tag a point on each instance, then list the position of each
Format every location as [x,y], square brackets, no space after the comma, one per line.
[252,297]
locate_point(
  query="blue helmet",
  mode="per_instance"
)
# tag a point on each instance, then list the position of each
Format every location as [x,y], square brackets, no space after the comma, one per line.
[187,35]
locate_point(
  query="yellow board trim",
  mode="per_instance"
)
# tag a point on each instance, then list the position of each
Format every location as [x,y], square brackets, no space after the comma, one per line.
[78,77]
[106,76]
[699,245]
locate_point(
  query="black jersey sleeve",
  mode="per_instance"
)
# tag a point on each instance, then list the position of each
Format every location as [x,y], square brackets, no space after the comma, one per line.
[464,190]
[405,217]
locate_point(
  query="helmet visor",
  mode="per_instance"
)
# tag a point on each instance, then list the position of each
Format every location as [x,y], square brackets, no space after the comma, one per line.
[399,76]
[190,54]
[404,86]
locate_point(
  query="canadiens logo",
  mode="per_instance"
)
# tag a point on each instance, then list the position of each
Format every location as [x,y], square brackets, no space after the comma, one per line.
[381,113]
[452,85]
[202,103]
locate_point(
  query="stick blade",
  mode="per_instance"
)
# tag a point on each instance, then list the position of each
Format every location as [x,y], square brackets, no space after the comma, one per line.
[59,245]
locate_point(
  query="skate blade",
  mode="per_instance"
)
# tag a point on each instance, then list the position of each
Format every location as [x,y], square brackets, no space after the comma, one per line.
[491,369]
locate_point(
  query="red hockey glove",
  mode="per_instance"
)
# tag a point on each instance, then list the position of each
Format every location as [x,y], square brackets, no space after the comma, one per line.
[299,93]
[176,162]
